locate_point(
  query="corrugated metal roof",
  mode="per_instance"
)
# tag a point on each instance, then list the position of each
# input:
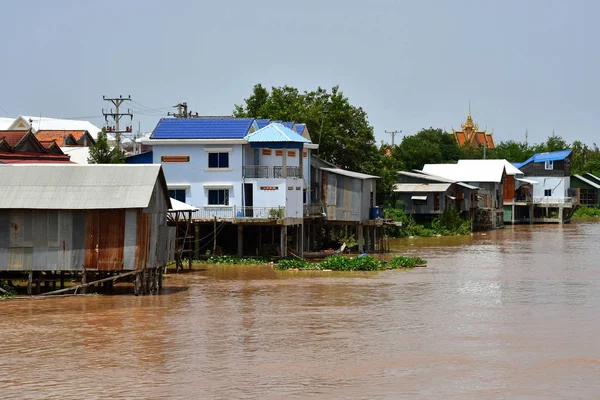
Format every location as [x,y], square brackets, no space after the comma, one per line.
[466,185]
[482,171]
[526,181]
[275,132]
[57,124]
[543,157]
[261,123]
[510,169]
[428,177]
[78,154]
[300,128]
[420,187]
[418,198]
[289,124]
[592,177]
[202,128]
[589,182]
[77,187]
[5,123]
[351,174]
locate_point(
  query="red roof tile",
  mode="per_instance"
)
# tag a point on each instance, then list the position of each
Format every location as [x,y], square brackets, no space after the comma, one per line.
[13,137]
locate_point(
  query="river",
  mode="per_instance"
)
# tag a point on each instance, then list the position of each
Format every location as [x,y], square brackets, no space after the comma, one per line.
[513,314]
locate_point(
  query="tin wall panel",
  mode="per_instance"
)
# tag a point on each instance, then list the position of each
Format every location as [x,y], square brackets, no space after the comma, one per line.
[40,258]
[111,240]
[78,241]
[28,229]
[130,239]
[91,239]
[40,229]
[53,228]
[17,230]
[64,252]
[142,240]
[4,239]
[15,259]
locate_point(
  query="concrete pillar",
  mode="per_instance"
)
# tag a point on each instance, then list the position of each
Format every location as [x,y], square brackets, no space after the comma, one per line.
[513,213]
[302,240]
[284,163]
[301,161]
[360,238]
[197,241]
[374,239]
[560,214]
[240,243]
[283,241]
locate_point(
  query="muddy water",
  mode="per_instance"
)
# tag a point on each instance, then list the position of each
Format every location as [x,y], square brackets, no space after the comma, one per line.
[512,314]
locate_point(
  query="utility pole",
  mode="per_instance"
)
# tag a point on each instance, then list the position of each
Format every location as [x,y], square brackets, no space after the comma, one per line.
[117,115]
[526,139]
[182,111]
[393,133]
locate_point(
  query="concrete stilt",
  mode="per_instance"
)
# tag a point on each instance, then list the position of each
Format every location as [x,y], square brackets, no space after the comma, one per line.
[360,238]
[240,240]
[283,241]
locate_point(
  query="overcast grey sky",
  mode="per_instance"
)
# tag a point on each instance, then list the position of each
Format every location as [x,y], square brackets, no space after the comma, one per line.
[528,64]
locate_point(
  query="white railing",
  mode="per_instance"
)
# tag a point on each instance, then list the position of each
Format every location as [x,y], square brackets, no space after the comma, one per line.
[238,213]
[554,200]
[265,171]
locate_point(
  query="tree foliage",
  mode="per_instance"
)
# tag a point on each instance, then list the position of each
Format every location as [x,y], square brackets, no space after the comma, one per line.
[101,153]
[342,130]
[346,138]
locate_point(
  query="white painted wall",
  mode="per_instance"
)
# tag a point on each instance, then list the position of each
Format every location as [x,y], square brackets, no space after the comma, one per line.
[197,178]
[196,173]
[558,185]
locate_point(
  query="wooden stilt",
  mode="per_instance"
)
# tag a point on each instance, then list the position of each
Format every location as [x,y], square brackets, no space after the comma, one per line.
[30,283]
[62,279]
[137,284]
[83,281]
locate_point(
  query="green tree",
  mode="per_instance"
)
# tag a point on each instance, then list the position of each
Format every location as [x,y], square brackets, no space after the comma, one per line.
[101,153]
[428,146]
[341,129]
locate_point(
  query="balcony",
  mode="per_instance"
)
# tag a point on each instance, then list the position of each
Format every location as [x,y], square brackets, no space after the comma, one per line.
[541,200]
[314,210]
[236,213]
[265,171]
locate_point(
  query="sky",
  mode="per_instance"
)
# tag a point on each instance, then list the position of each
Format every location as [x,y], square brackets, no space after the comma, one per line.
[523,65]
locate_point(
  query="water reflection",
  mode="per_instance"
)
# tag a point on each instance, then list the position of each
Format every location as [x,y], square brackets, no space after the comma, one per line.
[508,314]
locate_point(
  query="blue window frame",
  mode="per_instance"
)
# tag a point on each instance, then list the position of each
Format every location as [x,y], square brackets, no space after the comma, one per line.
[218,197]
[218,160]
[177,194]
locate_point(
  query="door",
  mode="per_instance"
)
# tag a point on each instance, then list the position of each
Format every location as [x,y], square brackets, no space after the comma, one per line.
[249,198]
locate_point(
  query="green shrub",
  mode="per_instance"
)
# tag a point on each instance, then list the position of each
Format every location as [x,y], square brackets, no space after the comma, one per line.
[10,291]
[586,212]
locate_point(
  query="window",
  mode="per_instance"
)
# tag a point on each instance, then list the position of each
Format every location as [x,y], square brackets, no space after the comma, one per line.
[549,165]
[218,160]
[548,192]
[177,194]
[218,197]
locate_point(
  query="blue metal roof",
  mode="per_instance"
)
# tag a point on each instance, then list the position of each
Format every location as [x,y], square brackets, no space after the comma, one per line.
[543,157]
[141,158]
[289,124]
[300,128]
[202,128]
[275,133]
[262,123]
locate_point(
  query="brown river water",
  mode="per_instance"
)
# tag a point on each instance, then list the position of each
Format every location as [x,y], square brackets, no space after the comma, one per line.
[514,314]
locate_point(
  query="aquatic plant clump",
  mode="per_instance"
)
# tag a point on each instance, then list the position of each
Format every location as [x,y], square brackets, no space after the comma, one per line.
[587,212]
[234,260]
[340,263]
[7,290]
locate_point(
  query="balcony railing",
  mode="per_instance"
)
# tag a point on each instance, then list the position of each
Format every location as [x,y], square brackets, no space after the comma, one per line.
[231,213]
[554,200]
[314,210]
[265,171]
